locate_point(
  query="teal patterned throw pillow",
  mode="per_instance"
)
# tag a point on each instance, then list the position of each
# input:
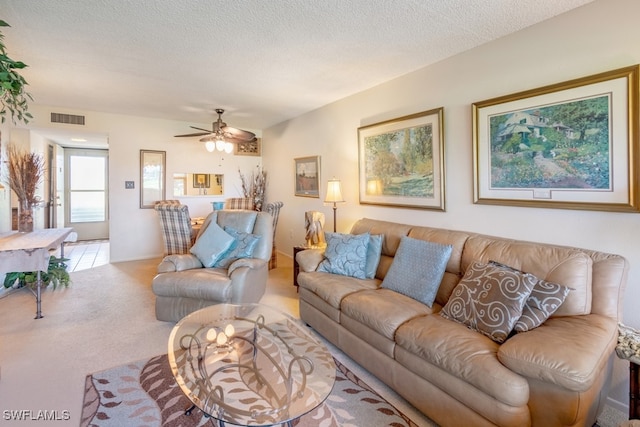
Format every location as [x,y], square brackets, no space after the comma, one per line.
[242,247]
[212,244]
[417,269]
[346,254]
[373,255]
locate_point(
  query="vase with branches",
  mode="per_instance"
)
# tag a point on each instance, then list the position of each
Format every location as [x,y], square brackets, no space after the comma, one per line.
[255,187]
[26,172]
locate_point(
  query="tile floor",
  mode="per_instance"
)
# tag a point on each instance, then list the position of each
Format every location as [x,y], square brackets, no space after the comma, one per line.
[86,254]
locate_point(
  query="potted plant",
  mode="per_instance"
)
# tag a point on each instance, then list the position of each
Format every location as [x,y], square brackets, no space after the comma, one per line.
[26,170]
[56,275]
[13,96]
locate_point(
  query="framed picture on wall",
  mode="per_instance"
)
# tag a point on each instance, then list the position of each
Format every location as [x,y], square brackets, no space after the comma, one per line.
[152,171]
[307,176]
[201,180]
[572,145]
[401,161]
[248,148]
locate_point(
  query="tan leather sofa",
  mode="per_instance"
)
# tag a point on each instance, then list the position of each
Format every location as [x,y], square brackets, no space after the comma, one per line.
[183,285]
[555,375]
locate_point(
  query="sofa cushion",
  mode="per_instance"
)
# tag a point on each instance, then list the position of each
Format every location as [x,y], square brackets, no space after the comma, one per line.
[332,288]
[569,351]
[211,284]
[382,310]
[460,352]
[373,255]
[489,299]
[211,245]
[566,266]
[417,269]
[346,254]
[242,247]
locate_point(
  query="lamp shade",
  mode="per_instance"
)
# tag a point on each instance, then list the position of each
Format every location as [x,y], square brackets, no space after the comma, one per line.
[334,191]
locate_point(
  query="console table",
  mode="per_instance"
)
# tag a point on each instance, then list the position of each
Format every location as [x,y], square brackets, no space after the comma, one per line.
[30,252]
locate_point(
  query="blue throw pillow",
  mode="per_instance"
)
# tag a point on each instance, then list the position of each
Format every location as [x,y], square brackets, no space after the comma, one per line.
[242,247]
[346,254]
[417,269]
[373,255]
[212,244]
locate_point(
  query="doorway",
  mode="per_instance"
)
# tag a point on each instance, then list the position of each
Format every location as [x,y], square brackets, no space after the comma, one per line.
[86,192]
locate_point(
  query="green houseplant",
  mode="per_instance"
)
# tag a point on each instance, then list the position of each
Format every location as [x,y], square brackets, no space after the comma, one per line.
[13,96]
[56,275]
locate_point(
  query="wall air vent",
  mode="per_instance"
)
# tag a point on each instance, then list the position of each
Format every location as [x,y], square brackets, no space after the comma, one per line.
[67,119]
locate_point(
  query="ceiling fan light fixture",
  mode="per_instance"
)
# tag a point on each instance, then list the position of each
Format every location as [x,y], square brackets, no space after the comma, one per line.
[228,147]
[210,146]
[220,143]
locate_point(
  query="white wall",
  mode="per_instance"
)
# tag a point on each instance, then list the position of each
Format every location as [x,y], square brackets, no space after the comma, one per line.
[134,232]
[579,43]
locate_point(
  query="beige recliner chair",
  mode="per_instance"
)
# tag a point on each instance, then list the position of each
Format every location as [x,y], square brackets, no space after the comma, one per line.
[183,284]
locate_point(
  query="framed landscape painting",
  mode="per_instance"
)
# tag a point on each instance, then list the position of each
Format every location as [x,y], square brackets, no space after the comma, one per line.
[307,177]
[572,145]
[401,162]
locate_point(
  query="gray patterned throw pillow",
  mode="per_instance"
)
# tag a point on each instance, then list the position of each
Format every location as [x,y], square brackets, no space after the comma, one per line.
[545,299]
[489,299]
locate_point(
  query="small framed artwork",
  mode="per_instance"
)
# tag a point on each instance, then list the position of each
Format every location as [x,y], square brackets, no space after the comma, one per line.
[252,148]
[307,179]
[401,162]
[152,171]
[201,180]
[572,145]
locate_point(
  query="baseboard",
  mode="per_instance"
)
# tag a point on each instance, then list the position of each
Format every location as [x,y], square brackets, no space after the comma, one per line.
[616,405]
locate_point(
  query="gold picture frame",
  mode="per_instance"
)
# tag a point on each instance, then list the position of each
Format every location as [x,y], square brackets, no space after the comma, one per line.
[252,148]
[401,161]
[571,145]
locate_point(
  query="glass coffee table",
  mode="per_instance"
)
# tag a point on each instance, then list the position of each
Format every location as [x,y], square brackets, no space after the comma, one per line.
[249,364]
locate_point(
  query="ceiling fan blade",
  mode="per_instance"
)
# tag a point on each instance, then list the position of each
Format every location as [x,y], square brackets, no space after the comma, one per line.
[238,133]
[206,130]
[193,134]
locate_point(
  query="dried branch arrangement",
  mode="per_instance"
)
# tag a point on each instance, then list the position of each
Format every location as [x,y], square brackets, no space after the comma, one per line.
[255,188]
[26,172]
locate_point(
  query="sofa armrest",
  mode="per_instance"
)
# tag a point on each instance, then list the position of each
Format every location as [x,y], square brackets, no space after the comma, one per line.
[251,263]
[567,351]
[179,262]
[248,280]
[309,259]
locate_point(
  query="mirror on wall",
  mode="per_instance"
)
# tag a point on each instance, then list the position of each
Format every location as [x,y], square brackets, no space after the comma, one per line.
[198,184]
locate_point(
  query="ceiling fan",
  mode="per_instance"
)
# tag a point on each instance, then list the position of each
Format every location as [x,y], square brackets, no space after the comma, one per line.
[221,136]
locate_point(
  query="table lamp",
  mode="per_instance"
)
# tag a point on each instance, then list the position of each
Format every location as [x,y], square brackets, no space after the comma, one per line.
[334,195]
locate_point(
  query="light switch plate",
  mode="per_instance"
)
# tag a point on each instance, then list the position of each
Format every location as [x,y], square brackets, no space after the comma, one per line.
[129,185]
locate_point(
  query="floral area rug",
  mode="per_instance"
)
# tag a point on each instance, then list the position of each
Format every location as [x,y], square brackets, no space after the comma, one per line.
[145,393]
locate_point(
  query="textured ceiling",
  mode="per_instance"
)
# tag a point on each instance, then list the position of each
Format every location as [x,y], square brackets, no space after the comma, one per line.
[264,61]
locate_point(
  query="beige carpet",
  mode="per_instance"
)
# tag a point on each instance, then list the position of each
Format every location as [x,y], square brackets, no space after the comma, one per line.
[104,319]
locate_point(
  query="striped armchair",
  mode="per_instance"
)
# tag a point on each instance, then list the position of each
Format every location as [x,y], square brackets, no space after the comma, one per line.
[245,203]
[177,232]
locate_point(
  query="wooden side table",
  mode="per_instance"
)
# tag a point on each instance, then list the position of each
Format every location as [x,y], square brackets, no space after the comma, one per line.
[296,267]
[627,348]
[634,391]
